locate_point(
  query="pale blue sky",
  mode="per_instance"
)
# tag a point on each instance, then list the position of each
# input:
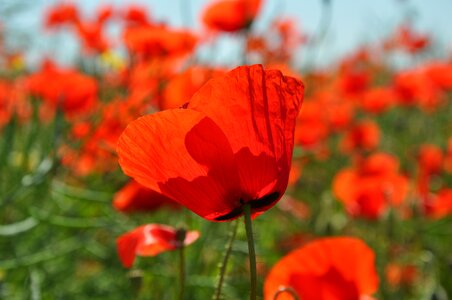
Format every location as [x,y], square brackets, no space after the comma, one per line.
[354,22]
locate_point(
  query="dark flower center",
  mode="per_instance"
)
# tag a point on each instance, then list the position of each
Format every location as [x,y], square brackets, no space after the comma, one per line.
[262,202]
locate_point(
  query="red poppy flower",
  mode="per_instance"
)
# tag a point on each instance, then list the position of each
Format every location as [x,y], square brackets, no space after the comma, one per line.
[430,159]
[339,114]
[362,136]
[150,240]
[325,269]
[368,190]
[103,14]
[98,141]
[62,13]
[397,274]
[430,162]
[440,73]
[439,205]
[411,41]
[55,87]
[7,103]
[295,172]
[312,126]
[150,41]
[414,87]
[92,37]
[136,16]
[378,100]
[352,82]
[231,15]
[135,197]
[231,146]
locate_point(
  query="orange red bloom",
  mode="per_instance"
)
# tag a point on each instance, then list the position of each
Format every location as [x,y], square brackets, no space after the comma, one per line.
[372,187]
[430,162]
[150,240]
[363,136]
[231,146]
[439,205]
[55,86]
[312,126]
[397,274]
[155,41]
[231,15]
[414,87]
[325,269]
[378,100]
[62,14]
[430,159]
[135,197]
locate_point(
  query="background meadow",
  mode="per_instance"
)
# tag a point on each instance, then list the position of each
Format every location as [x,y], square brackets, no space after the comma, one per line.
[378,95]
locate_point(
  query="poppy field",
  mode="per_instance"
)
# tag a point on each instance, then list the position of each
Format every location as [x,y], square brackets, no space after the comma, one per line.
[153,167]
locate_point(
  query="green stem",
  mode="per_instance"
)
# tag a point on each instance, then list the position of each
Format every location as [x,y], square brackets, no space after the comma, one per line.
[251,251]
[225,261]
[181,272]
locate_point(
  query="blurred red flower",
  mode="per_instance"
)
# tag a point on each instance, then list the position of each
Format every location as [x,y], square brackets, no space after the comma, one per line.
[231,146]
[312,127]
[397,274]
[378,100]
[150,240]
[325,269]
[62,14]
[363,136]
[430,159]
[158,40]
[351,82]
[135,16]
[369,189]
[135,197]
[103,14]
[407,40]
[67,89]
[98,140]
[414,87]
[13,102]
[231,15]
[92,37]
[411,41]
[439,73]
[430,162]
[439,205]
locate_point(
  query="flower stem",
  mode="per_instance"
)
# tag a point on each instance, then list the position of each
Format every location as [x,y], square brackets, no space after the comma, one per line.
[251,251]
[224,263]
[181,273]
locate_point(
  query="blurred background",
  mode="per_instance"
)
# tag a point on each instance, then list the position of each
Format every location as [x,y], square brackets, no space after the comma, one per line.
[377,109]
[346,24]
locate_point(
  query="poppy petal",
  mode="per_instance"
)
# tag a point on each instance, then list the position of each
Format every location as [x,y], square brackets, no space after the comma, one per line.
[150,240]
[266,103]
[127,244]
[134,197]
[325,269]
[184,155]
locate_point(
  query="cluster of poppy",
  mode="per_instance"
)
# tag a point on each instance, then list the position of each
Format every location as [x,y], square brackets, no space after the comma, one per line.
[215,140]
